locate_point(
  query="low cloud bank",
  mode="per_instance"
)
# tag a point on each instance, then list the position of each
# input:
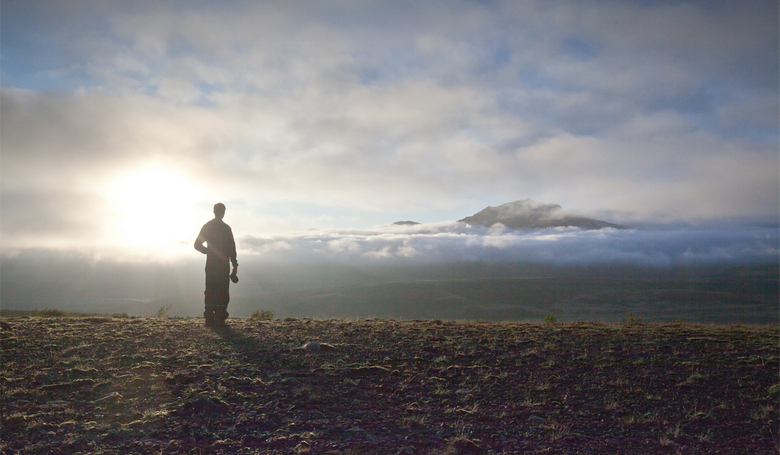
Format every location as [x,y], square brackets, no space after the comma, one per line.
[457,242]
[285,265]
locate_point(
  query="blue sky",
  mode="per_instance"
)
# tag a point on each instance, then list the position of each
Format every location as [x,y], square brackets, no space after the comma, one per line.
[123,122]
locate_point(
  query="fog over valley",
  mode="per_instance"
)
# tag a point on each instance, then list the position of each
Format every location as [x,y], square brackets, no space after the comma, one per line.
[404,271]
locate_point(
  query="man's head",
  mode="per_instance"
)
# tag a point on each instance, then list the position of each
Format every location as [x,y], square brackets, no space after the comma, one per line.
[219,210]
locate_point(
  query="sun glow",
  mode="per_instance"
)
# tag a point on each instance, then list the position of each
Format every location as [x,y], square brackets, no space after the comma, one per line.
[155,211]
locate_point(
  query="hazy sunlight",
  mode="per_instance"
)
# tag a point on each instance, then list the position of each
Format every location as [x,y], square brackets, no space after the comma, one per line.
[155,209]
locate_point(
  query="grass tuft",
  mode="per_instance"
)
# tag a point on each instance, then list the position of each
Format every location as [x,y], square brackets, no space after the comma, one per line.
[49,313]
[262,315]
[163,311]
[631,319]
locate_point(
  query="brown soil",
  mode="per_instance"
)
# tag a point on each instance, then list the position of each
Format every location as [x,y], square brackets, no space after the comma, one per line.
[156,385]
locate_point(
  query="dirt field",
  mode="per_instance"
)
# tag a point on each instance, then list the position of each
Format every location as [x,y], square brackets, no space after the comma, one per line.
[158,385]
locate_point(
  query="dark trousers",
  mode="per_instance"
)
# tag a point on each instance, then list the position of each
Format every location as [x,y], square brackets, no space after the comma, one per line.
[217,296]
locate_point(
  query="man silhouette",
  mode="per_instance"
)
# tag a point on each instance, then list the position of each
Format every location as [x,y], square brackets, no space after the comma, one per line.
[220,251]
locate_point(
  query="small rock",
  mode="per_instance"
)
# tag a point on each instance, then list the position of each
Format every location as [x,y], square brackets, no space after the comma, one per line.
[205,405]
[314,347]
[110,397]
[466,446]
[56,404]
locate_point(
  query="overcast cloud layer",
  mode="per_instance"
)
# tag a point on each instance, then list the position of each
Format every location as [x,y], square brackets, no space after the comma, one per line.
[457,242]
[341,114]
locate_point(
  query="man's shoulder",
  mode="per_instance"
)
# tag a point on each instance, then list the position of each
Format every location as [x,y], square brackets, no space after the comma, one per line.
[216,224]
[210,226]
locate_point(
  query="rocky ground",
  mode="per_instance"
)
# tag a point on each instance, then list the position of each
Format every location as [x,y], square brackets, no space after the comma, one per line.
[165,386]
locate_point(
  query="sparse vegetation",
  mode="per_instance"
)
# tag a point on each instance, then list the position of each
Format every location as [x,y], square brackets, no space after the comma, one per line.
[163,311]
[49,313]
[262,315]
[550,319]
[54,313]
[162,385]
[630,319]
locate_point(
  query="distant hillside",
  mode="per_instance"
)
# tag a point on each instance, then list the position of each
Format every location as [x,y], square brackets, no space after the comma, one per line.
[724,296]
[529,214]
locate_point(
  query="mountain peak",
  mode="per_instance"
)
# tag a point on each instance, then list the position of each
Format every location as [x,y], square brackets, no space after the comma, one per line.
[529,214]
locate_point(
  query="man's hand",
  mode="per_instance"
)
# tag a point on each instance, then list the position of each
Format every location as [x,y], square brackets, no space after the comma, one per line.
[234,275]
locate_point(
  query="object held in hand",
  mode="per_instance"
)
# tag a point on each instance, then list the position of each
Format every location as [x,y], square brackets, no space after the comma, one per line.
[234,277]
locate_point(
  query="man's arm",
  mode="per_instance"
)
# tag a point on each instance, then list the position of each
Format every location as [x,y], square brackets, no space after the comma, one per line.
[233,255]
[199,243]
